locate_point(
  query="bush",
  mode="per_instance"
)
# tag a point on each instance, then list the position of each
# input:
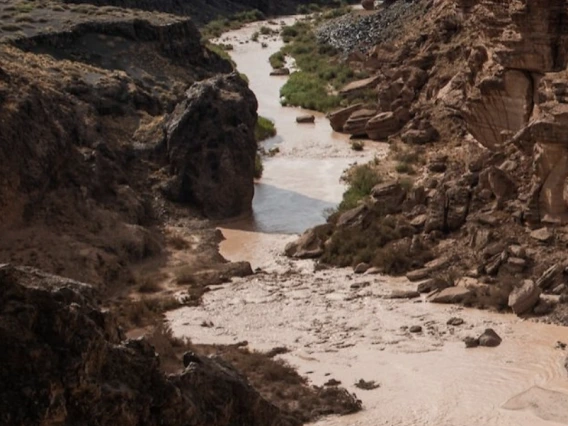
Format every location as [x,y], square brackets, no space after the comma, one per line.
[277,60]
[308,91]
[255,36]
[264,129]
[217,49]
[361,180]
[357,145]
[320,67]
[405,168]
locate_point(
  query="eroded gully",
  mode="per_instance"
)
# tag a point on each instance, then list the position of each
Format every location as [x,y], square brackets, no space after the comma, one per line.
[341,326]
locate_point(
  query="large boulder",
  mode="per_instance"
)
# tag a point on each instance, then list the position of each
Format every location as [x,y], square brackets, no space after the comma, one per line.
[452,295]
[65,361]
[382,125]
[338,118]
[357,122]
[523,298]
[211,148]
[309,245]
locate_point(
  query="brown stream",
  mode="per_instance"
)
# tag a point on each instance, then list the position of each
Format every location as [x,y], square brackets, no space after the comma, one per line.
[338,325]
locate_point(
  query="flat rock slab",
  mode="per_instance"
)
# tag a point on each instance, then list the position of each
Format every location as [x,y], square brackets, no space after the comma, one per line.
[451,295]
[403,294]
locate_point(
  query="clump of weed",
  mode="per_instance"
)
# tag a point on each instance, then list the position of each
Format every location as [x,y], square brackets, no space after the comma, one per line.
[264,129]
[258,167]
[357,145]
[360,181]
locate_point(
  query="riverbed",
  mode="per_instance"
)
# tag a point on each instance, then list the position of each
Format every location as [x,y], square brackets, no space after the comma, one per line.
[344,326]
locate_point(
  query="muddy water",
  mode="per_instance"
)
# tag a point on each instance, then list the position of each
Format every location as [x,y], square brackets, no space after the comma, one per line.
[301,182]
[338,325]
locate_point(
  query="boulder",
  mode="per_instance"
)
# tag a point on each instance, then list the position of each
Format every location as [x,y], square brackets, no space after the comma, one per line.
[431,284]
[69,356]
[489,338]
[390,196]
[404,294]
[368,4]
[211,160]
[308,118]
[338,118]
[361,268]
[451,295]
[551,277]
[415,329]
[358,86]
[419,136]
[382,125]
[309,245]
[523,298]
[471,342]
[543,235]
[418,274]
[357,121]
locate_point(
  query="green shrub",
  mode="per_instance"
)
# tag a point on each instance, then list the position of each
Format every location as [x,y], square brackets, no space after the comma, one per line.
[357,145]
[308,91]
[407,168]
[264,129]
[264,30]
[255,36]
[360,181]
[277,60]
[244,77]
[321,70]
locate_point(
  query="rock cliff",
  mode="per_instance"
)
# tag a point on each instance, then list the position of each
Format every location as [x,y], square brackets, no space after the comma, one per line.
[64,361]
[472,94]
[89,139]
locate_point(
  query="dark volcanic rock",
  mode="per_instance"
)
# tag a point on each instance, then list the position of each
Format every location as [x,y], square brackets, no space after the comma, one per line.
[211,147]
[64,361]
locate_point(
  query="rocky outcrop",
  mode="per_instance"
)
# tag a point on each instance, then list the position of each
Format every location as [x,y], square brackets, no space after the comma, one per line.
[523,298]
[338,118]
[83,156]
[210,146]
[64,361]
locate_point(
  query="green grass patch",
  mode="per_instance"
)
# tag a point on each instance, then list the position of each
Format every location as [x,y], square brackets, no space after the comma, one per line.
[406,168]
[321,70]
[360,181]
[222,52]
[264,129]
[217,27]
[277,60]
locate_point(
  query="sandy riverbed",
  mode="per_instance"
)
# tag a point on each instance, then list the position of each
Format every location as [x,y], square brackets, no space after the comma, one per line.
[339,325]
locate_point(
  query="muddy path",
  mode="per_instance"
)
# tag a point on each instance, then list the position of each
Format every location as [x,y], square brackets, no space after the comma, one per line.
[344,326]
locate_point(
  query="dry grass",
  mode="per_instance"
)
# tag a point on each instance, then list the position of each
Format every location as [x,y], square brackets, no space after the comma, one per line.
[178,242]
[144,312]
[276,381]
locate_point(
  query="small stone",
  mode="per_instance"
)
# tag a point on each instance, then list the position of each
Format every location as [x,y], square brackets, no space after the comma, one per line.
[305,118]
[471,342]
[332,382]
[544,235]
[361,268]
[431,284]
[415,329]
[560,345]
[455,321]
[419,274]
[489,338]
[404,294]
[437,167]
[280,71]
[516,264]
[517,251]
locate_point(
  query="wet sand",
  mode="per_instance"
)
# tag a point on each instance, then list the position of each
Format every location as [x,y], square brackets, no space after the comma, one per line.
[340,325]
